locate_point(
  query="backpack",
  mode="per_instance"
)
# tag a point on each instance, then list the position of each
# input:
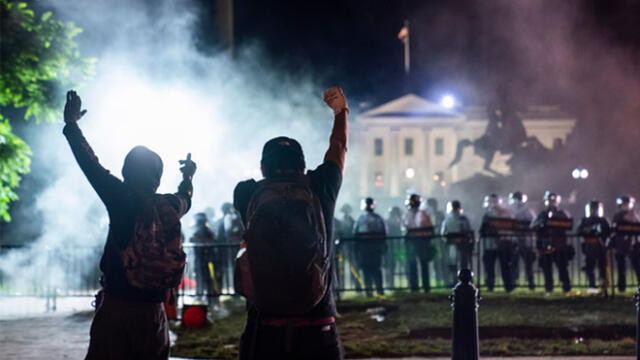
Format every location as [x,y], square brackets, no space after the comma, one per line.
[154,259]
[287,249]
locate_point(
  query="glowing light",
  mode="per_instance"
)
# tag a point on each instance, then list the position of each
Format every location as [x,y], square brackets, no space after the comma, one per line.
[410,173]
[584,173]
[575,173]
[448,101]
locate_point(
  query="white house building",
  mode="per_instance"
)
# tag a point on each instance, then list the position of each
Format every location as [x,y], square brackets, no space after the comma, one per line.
[407,144]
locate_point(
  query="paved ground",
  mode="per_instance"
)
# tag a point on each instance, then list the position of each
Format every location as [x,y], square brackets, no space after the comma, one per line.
[28,333]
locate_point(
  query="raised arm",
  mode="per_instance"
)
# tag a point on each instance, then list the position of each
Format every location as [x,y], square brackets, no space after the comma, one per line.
[185,189]
[105,184]
[336,100]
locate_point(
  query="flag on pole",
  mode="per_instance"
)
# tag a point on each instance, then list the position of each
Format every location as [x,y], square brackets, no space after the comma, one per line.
[403,35]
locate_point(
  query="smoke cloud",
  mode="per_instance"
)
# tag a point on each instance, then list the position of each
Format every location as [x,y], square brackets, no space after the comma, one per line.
[154,88]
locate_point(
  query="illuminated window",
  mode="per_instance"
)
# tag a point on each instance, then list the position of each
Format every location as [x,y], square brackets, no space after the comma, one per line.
[408,146]
[378,179]
[377,147]
[439,146]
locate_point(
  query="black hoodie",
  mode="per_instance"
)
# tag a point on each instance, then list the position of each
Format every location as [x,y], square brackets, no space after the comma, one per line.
[123,200]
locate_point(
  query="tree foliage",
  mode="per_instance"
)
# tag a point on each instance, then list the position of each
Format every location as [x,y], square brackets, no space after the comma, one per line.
[39,60]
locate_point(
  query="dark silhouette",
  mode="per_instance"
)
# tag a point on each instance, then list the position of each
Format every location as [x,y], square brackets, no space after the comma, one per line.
[370,246]
[505,133]
[130,321]
[286,334]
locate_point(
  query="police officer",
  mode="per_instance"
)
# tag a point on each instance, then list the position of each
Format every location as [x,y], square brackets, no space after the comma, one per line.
[418,244]
[203,240]
[625,245]
[230,231]
[552,243]
[521,212]
[439,263]
[370,247]
[594,229]
[456,228]
[394,252]
[496,247]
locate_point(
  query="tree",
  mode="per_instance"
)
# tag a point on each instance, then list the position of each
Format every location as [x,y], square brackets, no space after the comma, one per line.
[39,60]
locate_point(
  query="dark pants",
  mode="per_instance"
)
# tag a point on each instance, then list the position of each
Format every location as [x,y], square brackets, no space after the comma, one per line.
[459,255]
[417,252]
[561,259]
[634,256]
[372,273]
[204,282]
[528,257]
[595,255]
[262,342]
[123,330]
[504,257]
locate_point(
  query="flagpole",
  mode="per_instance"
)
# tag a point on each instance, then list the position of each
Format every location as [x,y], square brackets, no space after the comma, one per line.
[407,49]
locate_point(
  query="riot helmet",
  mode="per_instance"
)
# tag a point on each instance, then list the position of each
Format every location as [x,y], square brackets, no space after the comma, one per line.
[454,206]
[491,201]
[551,199]
[626,202]
[413,202]
[517,197]
[395,212]
[368,204]
[594,208]
[346,209]
[201,219]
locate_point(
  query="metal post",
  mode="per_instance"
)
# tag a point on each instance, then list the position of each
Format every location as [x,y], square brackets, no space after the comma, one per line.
[464,301]
[637,299]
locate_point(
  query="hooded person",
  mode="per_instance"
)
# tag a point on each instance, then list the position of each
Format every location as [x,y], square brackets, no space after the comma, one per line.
[290,204]
[130,322]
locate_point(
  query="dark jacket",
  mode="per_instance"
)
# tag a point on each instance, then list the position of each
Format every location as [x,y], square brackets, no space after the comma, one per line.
[123,203]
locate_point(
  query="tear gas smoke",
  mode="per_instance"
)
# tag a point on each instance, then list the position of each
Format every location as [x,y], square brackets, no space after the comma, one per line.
[154,88]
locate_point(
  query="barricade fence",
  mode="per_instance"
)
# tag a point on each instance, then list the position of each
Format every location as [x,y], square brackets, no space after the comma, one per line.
[361,264]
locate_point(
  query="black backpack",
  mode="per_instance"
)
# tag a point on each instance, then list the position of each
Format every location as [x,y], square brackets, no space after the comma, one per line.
[287,248]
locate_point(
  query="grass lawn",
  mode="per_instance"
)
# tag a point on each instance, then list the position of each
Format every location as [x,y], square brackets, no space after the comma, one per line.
[407,324]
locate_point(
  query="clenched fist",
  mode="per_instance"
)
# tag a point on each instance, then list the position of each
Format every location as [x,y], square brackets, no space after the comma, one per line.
[334,97]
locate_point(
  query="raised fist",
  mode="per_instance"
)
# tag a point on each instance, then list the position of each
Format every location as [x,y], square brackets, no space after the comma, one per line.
[334,97]
[188,167]
[72,112]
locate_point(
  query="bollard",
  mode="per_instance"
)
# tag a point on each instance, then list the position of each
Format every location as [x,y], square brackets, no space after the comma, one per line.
[464,301]
[636,297]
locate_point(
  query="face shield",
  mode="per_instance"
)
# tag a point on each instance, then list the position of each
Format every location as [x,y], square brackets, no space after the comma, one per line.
[626,203]
[454,206]
[491,201]
[368,204]
[517,198]
[552,199]
[594,208]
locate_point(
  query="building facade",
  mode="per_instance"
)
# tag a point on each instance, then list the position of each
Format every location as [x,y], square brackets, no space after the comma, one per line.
[407,144]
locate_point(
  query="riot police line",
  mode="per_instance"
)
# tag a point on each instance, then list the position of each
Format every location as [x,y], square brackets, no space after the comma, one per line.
[529,250]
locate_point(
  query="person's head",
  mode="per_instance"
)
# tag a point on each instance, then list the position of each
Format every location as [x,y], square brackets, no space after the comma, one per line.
[491,201]
[346,209]
[227,208]
[142,170]
[625,202]
[395,212]
[413,201]
[551,199]
[517,198]
[368,204]
[454,207]
[594,208]
[201,219]
[282,157]
[432,203]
